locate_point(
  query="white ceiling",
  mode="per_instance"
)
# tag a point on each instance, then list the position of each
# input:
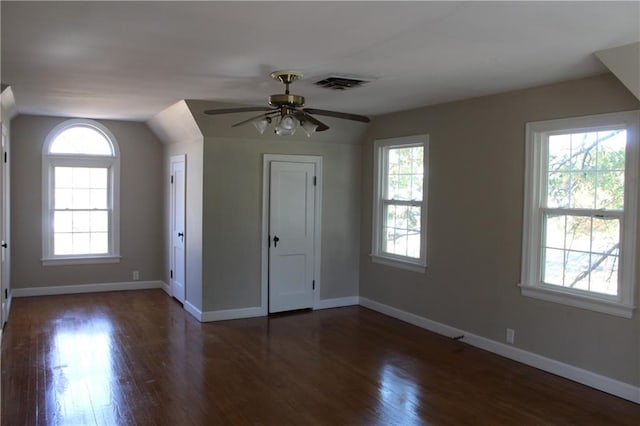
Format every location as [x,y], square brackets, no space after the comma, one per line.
[130,60]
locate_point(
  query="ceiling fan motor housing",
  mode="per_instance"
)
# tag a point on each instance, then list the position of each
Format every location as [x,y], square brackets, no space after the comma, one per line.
[289,100]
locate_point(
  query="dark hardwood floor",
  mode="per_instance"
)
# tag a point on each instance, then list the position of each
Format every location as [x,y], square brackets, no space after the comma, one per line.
[136,358]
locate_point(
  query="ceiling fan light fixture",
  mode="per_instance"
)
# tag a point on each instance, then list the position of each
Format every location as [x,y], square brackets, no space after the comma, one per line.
[262,124]
[287,125]
[308,127]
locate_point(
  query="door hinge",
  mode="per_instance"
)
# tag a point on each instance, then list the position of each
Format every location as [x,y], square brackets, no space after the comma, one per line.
[5,157]
[315,181]
[171,179]
[171,273]
[6,293]
[313,284]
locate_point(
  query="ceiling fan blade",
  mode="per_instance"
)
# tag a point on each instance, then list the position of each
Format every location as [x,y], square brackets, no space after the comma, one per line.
[302,116]
[337,114]
[241,109]
[255,118]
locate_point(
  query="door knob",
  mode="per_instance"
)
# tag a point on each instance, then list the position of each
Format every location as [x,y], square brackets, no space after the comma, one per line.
[275,241]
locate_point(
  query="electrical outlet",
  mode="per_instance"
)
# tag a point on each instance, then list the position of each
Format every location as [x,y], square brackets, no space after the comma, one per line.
[510,335]
[136,275]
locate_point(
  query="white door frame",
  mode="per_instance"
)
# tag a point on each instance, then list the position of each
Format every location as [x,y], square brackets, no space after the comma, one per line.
[317,161]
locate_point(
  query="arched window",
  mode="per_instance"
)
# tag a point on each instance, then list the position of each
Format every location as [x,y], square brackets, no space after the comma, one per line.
[80,184]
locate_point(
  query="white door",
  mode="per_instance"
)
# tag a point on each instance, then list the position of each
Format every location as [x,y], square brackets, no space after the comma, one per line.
[291,235]
[178,192]
[4,224]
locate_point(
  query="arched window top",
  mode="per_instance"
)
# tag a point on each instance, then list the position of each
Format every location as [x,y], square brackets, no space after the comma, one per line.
[81,137]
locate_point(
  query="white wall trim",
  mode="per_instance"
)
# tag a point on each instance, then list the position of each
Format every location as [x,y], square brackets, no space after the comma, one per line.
[585,377]
[338,302]
[85,288]
[230,314]
[166,288]
[191,309]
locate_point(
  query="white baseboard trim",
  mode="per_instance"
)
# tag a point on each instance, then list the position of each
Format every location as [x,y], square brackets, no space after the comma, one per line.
[230,314]
[85,288]
[338,302]
[166,288]
[585,377]
[195,312]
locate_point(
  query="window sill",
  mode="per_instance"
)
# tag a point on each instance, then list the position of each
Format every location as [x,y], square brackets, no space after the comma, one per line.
[414,267]
[578,300]
[80,260]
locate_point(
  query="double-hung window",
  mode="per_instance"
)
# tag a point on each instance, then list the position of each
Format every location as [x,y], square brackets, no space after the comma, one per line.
[581,212]
[400,193]
[80,183]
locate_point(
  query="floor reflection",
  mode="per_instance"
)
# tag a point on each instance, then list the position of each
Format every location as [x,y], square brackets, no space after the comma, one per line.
[81,389]
[399,396]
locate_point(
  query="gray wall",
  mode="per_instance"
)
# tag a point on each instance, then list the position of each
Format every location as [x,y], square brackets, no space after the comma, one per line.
[233,158]
[233,217]
[141,209]
[474,234]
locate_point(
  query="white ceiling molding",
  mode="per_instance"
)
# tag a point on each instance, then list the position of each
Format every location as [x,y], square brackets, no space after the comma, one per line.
[624,63]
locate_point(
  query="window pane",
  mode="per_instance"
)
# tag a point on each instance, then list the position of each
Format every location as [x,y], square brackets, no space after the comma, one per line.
[62,243]
[604,274]
[606,235]
[81,140]
[81,221]
[63,199]
[578,233]
[558,190]
[576,274]
[81,198]
[81,243]
[560,153]
[81,177]
[553,267]
[99,243]
[62,221]
[611,150]
[583,190]
[405,174]
[583,151]
[99,221]
[63,177]
[99,178]
[610,191]
[555,231]
[98,199]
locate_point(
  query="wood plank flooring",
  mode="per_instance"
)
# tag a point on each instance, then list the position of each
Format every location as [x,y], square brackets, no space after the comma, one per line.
[136,358]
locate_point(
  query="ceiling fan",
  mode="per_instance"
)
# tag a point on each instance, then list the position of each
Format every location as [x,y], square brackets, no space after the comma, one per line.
[286,111]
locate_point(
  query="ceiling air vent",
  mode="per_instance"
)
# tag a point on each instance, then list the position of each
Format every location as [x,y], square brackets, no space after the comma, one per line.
[340,82]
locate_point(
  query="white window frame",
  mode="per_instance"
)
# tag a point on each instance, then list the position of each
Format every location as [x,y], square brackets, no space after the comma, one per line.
[537,134]
[381,148]
[49,163]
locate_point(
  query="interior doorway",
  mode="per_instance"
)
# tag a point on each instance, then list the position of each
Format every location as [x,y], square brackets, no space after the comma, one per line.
[291,232]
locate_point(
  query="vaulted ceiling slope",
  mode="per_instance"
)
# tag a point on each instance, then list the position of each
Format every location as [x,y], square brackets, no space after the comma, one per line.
[131,60]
